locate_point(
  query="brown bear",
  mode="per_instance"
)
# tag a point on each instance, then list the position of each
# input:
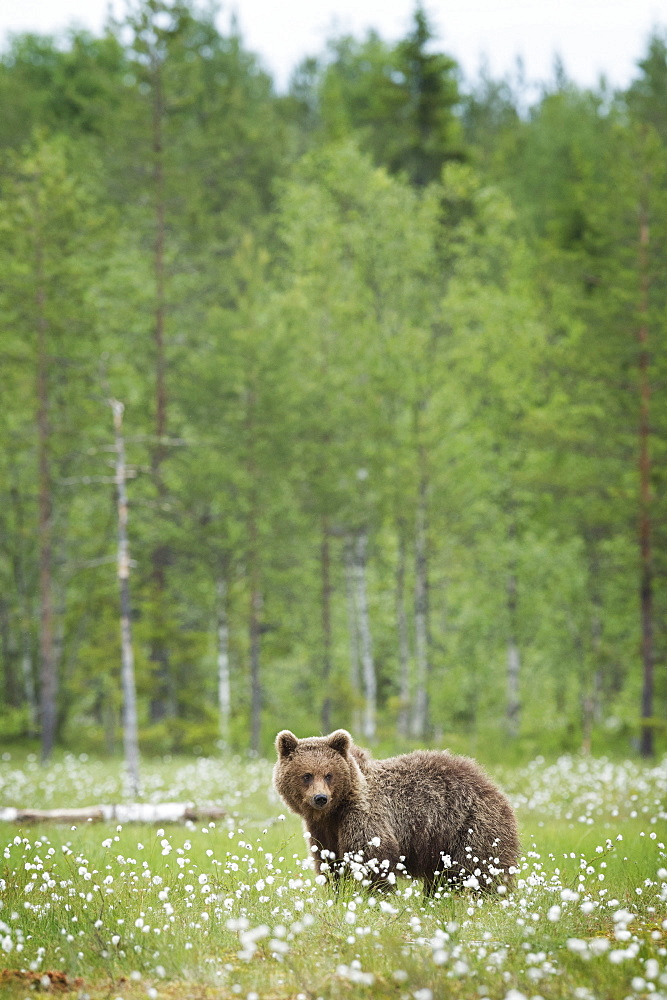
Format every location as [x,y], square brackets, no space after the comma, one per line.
[427,814]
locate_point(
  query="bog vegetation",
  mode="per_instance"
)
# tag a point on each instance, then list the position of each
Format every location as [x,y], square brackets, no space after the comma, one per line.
[386,355]
[234,908]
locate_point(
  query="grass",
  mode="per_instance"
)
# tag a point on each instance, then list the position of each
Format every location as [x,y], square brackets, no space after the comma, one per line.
[232,909]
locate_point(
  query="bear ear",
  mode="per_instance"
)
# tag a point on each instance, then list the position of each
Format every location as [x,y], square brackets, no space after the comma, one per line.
[286,743]
[341,741]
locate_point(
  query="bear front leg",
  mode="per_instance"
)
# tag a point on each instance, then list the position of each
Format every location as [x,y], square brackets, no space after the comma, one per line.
[369,856]
[323,849]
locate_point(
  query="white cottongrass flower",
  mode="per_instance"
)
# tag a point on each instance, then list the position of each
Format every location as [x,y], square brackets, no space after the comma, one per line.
[651,968]
[354,973]
[598,945]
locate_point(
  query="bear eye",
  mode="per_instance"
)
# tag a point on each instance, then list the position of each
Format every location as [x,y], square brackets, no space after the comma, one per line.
[307,778]
[327,777]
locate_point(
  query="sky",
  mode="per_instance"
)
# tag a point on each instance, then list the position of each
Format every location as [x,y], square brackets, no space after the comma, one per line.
[592,37]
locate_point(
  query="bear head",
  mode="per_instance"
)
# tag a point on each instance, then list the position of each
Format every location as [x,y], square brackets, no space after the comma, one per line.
[314,776]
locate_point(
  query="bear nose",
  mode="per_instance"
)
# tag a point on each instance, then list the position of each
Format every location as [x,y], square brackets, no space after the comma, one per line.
[320,800]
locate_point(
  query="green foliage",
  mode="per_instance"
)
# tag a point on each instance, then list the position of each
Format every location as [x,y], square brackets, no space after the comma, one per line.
[646,95]
[398,101]
[385,306]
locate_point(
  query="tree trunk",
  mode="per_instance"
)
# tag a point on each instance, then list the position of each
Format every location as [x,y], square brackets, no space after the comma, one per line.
[28,679]
[26,617]
[513,707]
[325,566]
[646,558]
[8,654]
[159,268]
[591,699]
[353,631]
[126,812]
[365,637]
[254,575]
[163,703]
[48,678]
[255,650]
[130,725]
[403,641]
[224,682]
[420,718]
[588,696]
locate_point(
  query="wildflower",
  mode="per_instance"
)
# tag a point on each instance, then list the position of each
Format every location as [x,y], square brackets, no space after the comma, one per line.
[651,968]
[598,945]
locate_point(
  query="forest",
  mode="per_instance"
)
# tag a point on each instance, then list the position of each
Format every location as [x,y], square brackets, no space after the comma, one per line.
[339,406]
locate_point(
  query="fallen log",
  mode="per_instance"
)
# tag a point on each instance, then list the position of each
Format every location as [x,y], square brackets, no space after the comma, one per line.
[130,812]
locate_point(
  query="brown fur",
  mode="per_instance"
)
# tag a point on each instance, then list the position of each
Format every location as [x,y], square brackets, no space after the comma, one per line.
[438,816]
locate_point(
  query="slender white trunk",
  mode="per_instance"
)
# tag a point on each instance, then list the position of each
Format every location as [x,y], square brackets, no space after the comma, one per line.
[365,638]
[224,683]
[130,725]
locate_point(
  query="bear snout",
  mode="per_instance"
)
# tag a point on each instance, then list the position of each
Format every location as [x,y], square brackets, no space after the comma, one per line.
[320,800]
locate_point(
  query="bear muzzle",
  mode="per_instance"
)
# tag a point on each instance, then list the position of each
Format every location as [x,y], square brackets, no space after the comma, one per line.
[320,800]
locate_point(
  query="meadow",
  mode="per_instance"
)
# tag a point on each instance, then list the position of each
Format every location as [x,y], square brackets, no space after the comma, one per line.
[233,908]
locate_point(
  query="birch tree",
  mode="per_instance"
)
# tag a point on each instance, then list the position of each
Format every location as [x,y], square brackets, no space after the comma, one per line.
[130,722]
[224,679]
